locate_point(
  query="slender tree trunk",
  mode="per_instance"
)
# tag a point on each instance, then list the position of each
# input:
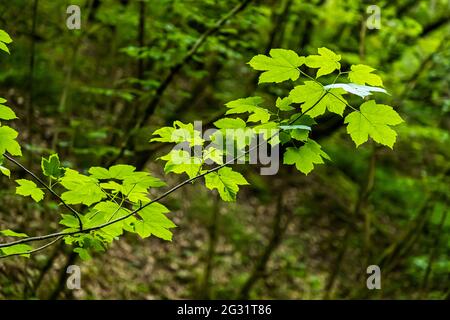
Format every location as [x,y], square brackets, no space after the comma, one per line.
[92,6]
[30,106]
[173,72]
[390,257]
[213,237]
[276,35]
[336,267]
[141,38]
[46,268]
[433,254]
[125,115]
[63,275]
[366,188]
[197,93]
[278,229]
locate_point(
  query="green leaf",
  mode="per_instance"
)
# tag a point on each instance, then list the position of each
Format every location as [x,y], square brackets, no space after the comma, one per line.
[83,253]
[269,131]
[135,191]
[154,222]
[284,137]
[81,189]
[51,167]
[107,211]
[7,113]
[229,123]
[311,92]
[249,105]
[301,121]
[226,181]
[8,142]
[327,61]
[134,185]
[3,169]
[70,221]
[120,172]
[259,115]
[17,248]
[4,39]
[29,188]
[284,104]
[244,104]
[305,157]
[241,137]
[362,74]
[298,132]
[212,155]
[11,233]
[373,120]
[143,180]
[179,133]
[282,65]
[180,161]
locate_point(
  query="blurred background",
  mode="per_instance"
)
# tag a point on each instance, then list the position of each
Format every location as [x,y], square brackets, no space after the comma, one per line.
[96,94]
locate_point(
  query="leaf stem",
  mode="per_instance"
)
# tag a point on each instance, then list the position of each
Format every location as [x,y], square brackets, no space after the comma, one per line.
[17,163]
[157,199]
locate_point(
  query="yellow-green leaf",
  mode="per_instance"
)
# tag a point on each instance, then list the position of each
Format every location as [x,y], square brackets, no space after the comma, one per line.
[280,66]
[226,181]
[305,157]
[29,188]
[362,74]
[309,95]
[327,61]
[373,120]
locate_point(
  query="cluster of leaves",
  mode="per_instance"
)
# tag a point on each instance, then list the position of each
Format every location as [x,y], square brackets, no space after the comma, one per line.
[294,116]
[8,135]
[109,195]
[106,196]
[115,200]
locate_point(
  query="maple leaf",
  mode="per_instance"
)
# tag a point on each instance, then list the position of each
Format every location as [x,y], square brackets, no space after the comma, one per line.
[373,120]
[327,61]
[280,66]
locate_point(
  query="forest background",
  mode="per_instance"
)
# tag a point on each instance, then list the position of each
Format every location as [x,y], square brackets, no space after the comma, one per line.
[80,92]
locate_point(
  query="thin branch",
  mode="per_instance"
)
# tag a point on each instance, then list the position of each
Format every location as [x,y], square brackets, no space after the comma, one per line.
[165,194]
[309,109]
[77,215]
[151,107]
[175,69]
[34,250]
[342,100]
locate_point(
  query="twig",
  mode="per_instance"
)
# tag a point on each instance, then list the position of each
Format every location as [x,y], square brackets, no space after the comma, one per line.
[34,250]
[165,194]
[46,187]
[151,107]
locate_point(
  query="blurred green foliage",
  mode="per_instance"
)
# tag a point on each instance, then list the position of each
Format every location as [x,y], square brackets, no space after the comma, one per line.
[87,89]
